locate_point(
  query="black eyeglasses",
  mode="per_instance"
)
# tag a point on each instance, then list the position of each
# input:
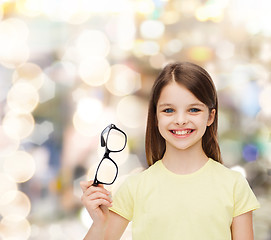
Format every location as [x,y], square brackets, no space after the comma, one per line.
[114,140]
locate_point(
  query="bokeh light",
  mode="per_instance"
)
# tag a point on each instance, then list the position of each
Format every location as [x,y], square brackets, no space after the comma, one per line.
[14,227]
[152,29]
[13,48]
[92,43]
[89,110]
[8,145]
[131,110]
[94,71]
[20,166]
[16,203]
[22,98]
[29,73]
[18,125]
[123,80]
[265,99]
[8,185]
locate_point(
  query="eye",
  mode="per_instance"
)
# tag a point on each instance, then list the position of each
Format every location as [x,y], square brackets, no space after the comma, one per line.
[194,110]
[168,110]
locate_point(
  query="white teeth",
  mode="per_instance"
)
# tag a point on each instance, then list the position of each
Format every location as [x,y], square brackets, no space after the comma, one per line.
[182,132]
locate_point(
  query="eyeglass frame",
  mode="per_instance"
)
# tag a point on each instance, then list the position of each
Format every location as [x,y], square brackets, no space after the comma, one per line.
[107,152]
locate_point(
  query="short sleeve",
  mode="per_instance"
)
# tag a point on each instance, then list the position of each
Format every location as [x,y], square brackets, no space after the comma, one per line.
[123,199]
[244,198]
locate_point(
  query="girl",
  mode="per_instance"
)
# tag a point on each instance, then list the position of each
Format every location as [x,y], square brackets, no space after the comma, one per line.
[186,193]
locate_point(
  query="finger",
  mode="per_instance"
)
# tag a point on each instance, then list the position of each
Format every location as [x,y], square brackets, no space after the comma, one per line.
[96,203]
[85,185]
[99,195]
[93,189]
[100,202]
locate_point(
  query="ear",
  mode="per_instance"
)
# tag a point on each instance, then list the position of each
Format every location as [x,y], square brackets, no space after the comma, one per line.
[211,117]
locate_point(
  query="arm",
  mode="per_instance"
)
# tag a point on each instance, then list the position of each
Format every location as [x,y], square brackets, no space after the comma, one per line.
[106,224]
[114,230]
[242,227]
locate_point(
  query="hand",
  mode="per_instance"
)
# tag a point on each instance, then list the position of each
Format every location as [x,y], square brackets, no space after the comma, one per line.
[96,200]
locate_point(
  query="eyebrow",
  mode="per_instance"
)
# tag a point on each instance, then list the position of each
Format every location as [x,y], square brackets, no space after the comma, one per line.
[190,105]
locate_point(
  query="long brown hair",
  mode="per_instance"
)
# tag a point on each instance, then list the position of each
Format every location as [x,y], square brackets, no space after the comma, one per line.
[197,81]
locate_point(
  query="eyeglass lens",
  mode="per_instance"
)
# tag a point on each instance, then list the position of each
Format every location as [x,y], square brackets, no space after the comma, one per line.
[107,171]
[115,140]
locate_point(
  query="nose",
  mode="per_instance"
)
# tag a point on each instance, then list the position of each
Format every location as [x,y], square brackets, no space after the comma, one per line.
[181,119]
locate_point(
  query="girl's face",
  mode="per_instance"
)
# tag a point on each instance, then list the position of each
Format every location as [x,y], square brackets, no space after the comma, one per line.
[182,118]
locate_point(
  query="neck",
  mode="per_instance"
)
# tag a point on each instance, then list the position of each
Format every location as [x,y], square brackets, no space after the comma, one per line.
[184,161]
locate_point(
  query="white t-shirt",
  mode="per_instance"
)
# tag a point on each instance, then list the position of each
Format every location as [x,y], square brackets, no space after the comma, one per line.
[166,206]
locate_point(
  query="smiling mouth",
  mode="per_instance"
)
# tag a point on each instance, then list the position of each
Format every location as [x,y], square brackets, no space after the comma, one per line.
[182,132]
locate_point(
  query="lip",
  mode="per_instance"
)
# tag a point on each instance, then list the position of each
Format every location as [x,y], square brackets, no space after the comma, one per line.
[182,133]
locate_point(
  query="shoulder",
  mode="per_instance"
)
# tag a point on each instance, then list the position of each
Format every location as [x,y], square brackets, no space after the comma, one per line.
[224,173]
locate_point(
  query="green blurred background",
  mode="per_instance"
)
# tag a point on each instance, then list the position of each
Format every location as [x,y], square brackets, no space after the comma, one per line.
[68,68]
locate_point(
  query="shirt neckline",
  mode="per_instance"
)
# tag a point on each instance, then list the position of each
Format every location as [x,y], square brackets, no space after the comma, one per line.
[193,174]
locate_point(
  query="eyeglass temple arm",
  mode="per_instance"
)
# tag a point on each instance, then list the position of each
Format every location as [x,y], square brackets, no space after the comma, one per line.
[102,135]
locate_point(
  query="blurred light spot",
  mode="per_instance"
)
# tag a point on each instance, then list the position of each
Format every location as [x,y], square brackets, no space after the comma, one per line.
[200,54]
[131,111]
[157,61]
[20,166]
[7,185]
[8,145]
[94,71]
[170,17]
[152,29]
[19,205]
[63,72]
[121,30]
[42,132]
[22,98]
[240,170]
[29,8]
[1,11]
[29,73]
[71,11]
[89,109]
[265,99]
[107,6]
[13,47]
[209,12]
[80,92]
[225,50]
[144,6]
[13,30]
[89,129]
[14,227]
[173,46]
[85,218]
[149,48]
[11,57]
[47,91]
[250,152]
[123,80]
[18,126]
[41,156]
[249,105]
[92,43]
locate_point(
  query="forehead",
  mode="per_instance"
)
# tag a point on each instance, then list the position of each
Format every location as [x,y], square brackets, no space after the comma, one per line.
[175,93]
